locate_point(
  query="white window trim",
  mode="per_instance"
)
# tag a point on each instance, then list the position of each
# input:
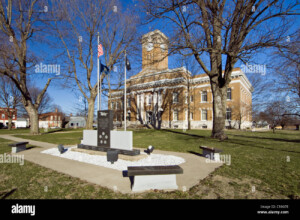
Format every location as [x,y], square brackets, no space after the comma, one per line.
[230,115]
[191,99]
[175,102]
[128,104]
[201,101]
[186,98]
[149,97]
[230,95]
[174,114]
[206,114]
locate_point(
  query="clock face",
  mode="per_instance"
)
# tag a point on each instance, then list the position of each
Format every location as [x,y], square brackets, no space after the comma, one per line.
[149,46]
[163,47]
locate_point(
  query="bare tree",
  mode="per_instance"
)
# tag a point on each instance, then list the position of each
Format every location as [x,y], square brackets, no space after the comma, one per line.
[10,98]
[274,114]
[20,22]
[77,30]
[219,33]
[286,65]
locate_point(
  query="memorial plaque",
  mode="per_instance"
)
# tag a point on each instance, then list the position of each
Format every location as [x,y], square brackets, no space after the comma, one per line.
[105,125]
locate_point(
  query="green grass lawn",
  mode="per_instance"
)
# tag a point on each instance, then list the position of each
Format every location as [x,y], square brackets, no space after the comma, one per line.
[68,138]
[42,131]
[263,165]
[15,131]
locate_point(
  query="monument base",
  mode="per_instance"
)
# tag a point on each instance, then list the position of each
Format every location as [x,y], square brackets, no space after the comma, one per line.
[132,152]
[160,182]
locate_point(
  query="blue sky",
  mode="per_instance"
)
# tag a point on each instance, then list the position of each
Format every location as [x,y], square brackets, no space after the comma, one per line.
[68,99]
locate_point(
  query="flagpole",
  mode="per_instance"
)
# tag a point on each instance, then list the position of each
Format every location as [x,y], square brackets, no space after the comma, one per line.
[125,96]
[98,97]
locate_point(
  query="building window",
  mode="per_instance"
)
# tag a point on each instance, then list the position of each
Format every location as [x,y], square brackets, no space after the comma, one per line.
[149,99]
[3,116]
[229,94]
[128,103]
[51,118]
[138,101]
[204,96]
[175,97]
[191,98]
[58,118]
[117,105]
[191,116]
[228,113]
[128,116]
[204,115]
[175,115]
[159,99]
[14,117]
[186,98]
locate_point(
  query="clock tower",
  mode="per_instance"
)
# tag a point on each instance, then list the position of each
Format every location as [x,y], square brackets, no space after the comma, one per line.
[155,51]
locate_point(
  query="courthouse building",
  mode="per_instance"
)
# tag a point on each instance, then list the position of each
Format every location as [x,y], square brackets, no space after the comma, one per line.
[167,97]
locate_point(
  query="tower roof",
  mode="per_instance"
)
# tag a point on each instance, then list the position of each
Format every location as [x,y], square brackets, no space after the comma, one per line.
[150,35]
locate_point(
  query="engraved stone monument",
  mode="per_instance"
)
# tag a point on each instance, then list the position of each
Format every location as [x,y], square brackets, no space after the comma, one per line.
[105,125]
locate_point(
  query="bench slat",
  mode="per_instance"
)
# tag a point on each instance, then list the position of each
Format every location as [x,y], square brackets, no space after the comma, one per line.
[17,144]
[154,170]
[214,150]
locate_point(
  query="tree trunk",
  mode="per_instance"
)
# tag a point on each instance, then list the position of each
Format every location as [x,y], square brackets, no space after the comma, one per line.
[90,116]
[9,126]
[219,111]
[33,118]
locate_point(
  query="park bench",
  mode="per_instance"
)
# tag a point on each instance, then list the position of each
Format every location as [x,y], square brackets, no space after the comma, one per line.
[211,153]
[18,146]
[154,177]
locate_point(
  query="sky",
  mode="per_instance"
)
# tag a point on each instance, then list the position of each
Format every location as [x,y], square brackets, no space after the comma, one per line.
[68,100]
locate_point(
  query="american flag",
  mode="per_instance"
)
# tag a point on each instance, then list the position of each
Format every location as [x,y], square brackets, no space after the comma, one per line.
[100,50]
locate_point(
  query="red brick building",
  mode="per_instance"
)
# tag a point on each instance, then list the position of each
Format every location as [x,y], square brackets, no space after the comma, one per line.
[4,115]
[51,119]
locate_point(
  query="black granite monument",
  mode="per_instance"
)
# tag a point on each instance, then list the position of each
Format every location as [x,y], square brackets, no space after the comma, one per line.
[105,125]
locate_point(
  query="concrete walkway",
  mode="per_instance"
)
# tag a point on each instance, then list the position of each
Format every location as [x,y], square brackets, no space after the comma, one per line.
[31,142]
[194,169]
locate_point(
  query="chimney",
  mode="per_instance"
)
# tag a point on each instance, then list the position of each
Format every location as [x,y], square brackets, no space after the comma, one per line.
[71,114]
[56,110]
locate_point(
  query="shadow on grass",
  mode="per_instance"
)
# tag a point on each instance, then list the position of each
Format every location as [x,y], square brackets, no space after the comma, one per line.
[266,138]
[7,194]
[196,153]
[177,132]
[253,144]
[50,132]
